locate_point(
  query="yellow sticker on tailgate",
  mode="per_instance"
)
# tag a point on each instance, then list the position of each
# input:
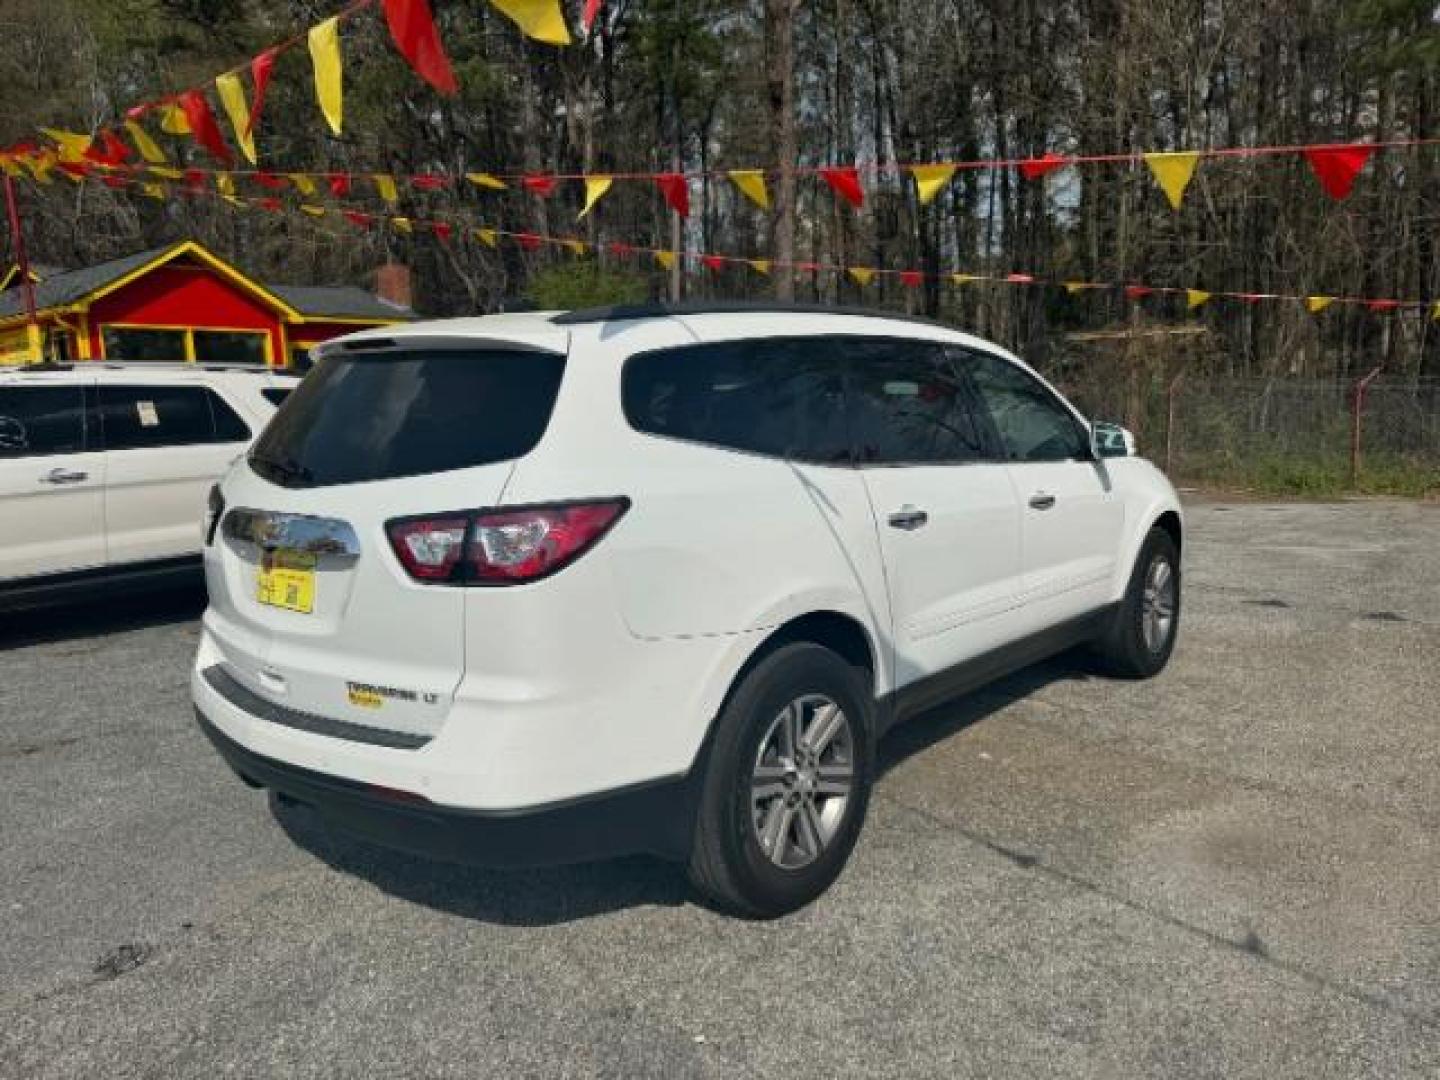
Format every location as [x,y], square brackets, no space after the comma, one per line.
[287,580]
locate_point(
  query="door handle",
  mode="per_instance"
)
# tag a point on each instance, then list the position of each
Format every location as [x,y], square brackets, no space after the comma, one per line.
[1041,501]
[63,476]
[908,518]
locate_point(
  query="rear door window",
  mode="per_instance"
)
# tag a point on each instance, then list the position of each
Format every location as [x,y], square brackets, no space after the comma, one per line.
[910,405]
[36,421]
[783,397]
[378,416]
[144,417]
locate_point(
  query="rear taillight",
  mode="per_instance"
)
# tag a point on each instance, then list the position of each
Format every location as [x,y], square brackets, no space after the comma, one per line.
[502,547]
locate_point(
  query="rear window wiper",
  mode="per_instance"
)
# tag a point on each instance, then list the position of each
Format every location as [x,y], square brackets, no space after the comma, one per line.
[286,468]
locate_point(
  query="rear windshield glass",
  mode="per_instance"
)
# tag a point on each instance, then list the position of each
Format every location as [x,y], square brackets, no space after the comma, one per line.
[384,415]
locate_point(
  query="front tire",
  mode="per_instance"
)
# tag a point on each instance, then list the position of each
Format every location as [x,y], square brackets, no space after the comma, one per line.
[787,785]
[1142,635]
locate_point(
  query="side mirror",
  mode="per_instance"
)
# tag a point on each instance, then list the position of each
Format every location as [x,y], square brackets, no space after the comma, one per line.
[1111,440]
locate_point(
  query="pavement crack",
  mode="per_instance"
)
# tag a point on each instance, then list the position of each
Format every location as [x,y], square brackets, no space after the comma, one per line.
[1251,946]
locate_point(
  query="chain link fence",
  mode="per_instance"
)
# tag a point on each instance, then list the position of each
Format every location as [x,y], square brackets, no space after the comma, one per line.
[1303,436]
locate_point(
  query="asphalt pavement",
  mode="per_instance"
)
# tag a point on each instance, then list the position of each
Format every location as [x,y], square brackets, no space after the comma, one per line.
[1231,871]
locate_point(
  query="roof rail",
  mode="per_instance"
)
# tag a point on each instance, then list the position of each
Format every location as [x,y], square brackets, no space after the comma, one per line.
[661,310]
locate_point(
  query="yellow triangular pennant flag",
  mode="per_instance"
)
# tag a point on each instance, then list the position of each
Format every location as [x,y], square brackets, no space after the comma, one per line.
[401,223]
[1317,304]
[760,266]
[485,180]
[963,279]
[173,120]
[72,144]
[1195,297]
[155,191]
[665,258]
[577,247]
[930,180]
[1435,314]
[329,80]
[595,187]
[1173,172]
[165,173]
[146,145]
[1073,287]
[486,237]
[224,183]
[385,185]
[302,182]
[233,200]
[40,165]
[751,183]
[863,275]
[312,209]
[232,96]
[540,19]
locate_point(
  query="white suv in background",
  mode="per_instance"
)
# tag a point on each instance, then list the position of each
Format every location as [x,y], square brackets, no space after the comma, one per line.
[534,588]
[104,470]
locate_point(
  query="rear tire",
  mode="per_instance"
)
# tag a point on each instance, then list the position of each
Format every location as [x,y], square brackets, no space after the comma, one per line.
[787,784]
[1142,635]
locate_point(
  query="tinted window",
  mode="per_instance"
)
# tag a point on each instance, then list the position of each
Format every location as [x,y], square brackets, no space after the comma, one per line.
[137,417]
[360,417]
[910,404]
[781,397]
[132,346]
[229,347]
[37,420]
[1031,423]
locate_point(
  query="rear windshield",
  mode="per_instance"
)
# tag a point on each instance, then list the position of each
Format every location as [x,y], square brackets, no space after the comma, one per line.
[383,415]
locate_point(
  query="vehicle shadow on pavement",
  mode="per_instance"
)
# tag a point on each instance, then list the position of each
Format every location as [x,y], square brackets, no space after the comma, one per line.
[99,618]
[550,896]
[544,896]
[918,734]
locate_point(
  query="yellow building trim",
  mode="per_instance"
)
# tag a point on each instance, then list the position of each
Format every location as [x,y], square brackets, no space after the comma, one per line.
[345,320]
[214,262]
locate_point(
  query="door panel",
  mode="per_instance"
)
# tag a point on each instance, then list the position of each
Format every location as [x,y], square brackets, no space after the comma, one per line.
[1071,519]
[51,483]
[947,518]
[164,448]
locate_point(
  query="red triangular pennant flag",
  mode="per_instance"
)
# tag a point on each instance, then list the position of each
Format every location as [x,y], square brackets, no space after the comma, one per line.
[195,179]
[713,262]
[845,182]
[539,185]
[339,185]
[114,181]
[77,169]
[1137,292]
[260,69]
[1336,167]
[359,220]
[1034,168]
[413,28]
[428,182]
[442,230]
[269,180]
[107,149]
[676,191]
[203,126]
[622,250]
[587,17]
[1250,297]
[528,241]
[1383,305]
[911,278]
[1020,279]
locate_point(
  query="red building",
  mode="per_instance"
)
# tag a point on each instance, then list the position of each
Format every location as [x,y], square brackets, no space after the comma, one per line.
[182,303]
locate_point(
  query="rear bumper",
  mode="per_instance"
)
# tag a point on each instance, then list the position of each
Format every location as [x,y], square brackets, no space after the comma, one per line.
[654,818]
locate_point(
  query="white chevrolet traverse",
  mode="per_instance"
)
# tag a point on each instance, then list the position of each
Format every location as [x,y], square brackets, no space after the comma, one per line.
[534,588]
